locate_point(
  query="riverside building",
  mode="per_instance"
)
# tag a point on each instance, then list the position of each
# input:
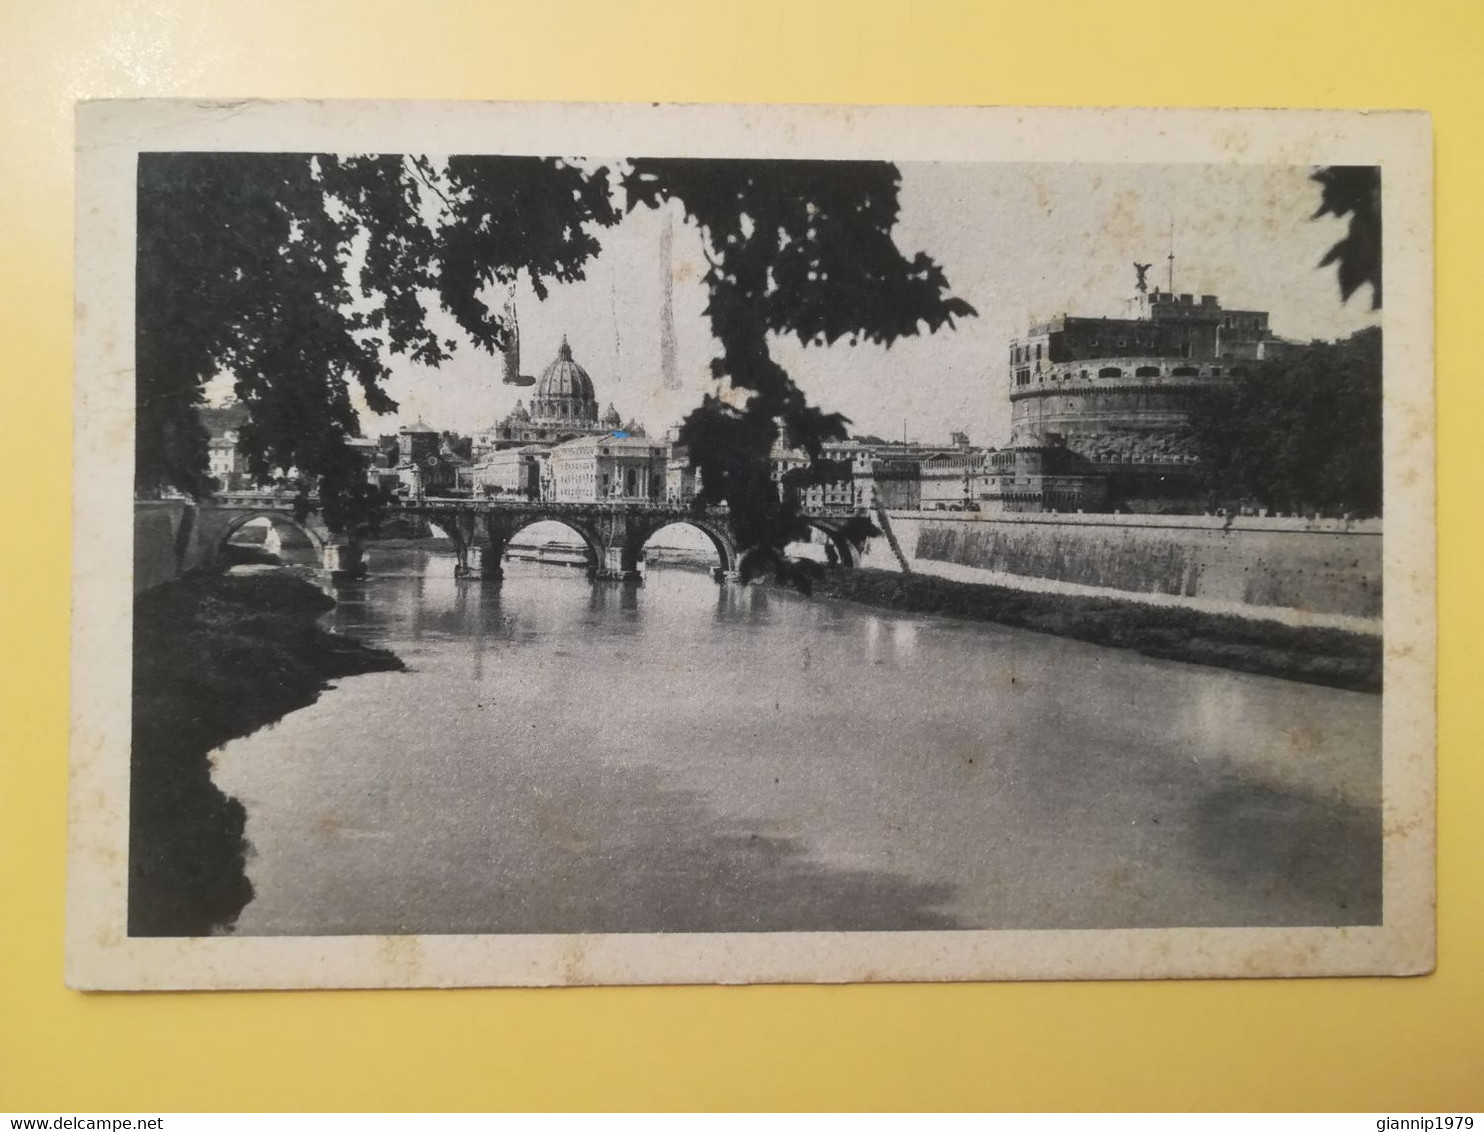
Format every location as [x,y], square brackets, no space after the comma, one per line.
[608,468]
[1100,407]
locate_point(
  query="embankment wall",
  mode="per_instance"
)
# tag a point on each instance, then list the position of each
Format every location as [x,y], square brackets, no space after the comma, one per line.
[1319,566]
[164,541]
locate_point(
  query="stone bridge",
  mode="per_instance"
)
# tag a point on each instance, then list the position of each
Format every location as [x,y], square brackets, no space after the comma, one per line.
[614,533]
[183,536]
[175,536]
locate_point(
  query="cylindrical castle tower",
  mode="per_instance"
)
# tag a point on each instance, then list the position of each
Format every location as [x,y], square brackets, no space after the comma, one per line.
[1118,393]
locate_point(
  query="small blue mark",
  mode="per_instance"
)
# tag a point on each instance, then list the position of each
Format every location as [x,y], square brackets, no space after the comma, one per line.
[620,433]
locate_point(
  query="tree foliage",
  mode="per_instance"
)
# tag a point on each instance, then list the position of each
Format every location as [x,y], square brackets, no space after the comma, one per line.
[794,248]
[506,215]
[1354,191]
[240,270]
[244,262]
[1301,434]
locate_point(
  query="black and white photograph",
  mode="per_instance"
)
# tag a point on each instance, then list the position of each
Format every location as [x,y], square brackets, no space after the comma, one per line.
[559,544]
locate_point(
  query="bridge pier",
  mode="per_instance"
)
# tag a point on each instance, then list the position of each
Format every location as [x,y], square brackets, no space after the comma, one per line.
[480,562]
[344,559]
[476,555]
[619,563]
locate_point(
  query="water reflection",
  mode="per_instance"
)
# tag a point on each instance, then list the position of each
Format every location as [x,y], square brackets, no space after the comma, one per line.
[1259,834]
[889,640]
[686,756]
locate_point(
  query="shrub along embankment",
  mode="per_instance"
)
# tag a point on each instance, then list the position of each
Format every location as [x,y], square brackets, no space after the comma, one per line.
[1331,657]
[216,657]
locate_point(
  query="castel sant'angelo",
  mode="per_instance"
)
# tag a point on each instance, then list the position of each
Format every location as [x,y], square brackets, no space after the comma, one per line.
[1104,403]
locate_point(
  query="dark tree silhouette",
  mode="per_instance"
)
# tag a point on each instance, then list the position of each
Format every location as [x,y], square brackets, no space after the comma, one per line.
[240,270]
[1354,191]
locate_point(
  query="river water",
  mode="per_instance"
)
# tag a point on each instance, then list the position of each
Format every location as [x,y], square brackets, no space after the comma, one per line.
[564,756]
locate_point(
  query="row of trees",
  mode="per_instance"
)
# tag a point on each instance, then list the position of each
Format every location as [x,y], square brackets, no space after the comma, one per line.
[1300,434]
[245,265]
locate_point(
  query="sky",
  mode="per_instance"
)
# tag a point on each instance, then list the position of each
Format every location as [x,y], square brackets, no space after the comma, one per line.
[1019,242]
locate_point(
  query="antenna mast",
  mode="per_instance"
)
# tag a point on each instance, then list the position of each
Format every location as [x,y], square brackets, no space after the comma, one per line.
[1171,256]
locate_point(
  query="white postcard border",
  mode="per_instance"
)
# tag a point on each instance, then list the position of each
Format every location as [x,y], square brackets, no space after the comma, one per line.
[100,955]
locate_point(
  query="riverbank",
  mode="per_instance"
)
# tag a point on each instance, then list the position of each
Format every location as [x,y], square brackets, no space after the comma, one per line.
[1331,657]
[216,657]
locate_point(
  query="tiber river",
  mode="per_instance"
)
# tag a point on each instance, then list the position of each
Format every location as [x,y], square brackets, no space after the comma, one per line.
[686,756]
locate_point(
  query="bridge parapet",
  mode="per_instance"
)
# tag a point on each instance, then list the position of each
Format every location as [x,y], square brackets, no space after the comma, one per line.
[521,506]
[274,500]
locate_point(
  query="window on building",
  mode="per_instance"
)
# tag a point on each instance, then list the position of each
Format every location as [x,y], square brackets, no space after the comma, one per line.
[1147,371]
[1110,371]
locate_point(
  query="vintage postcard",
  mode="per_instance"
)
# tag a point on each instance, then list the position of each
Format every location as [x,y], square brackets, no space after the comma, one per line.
[533,544]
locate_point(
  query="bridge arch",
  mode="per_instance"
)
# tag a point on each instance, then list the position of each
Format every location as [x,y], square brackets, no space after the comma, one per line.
[719,538]
[513,526]
[229,522]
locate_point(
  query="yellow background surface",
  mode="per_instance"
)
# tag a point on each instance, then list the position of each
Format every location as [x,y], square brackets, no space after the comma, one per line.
[1375,1044]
